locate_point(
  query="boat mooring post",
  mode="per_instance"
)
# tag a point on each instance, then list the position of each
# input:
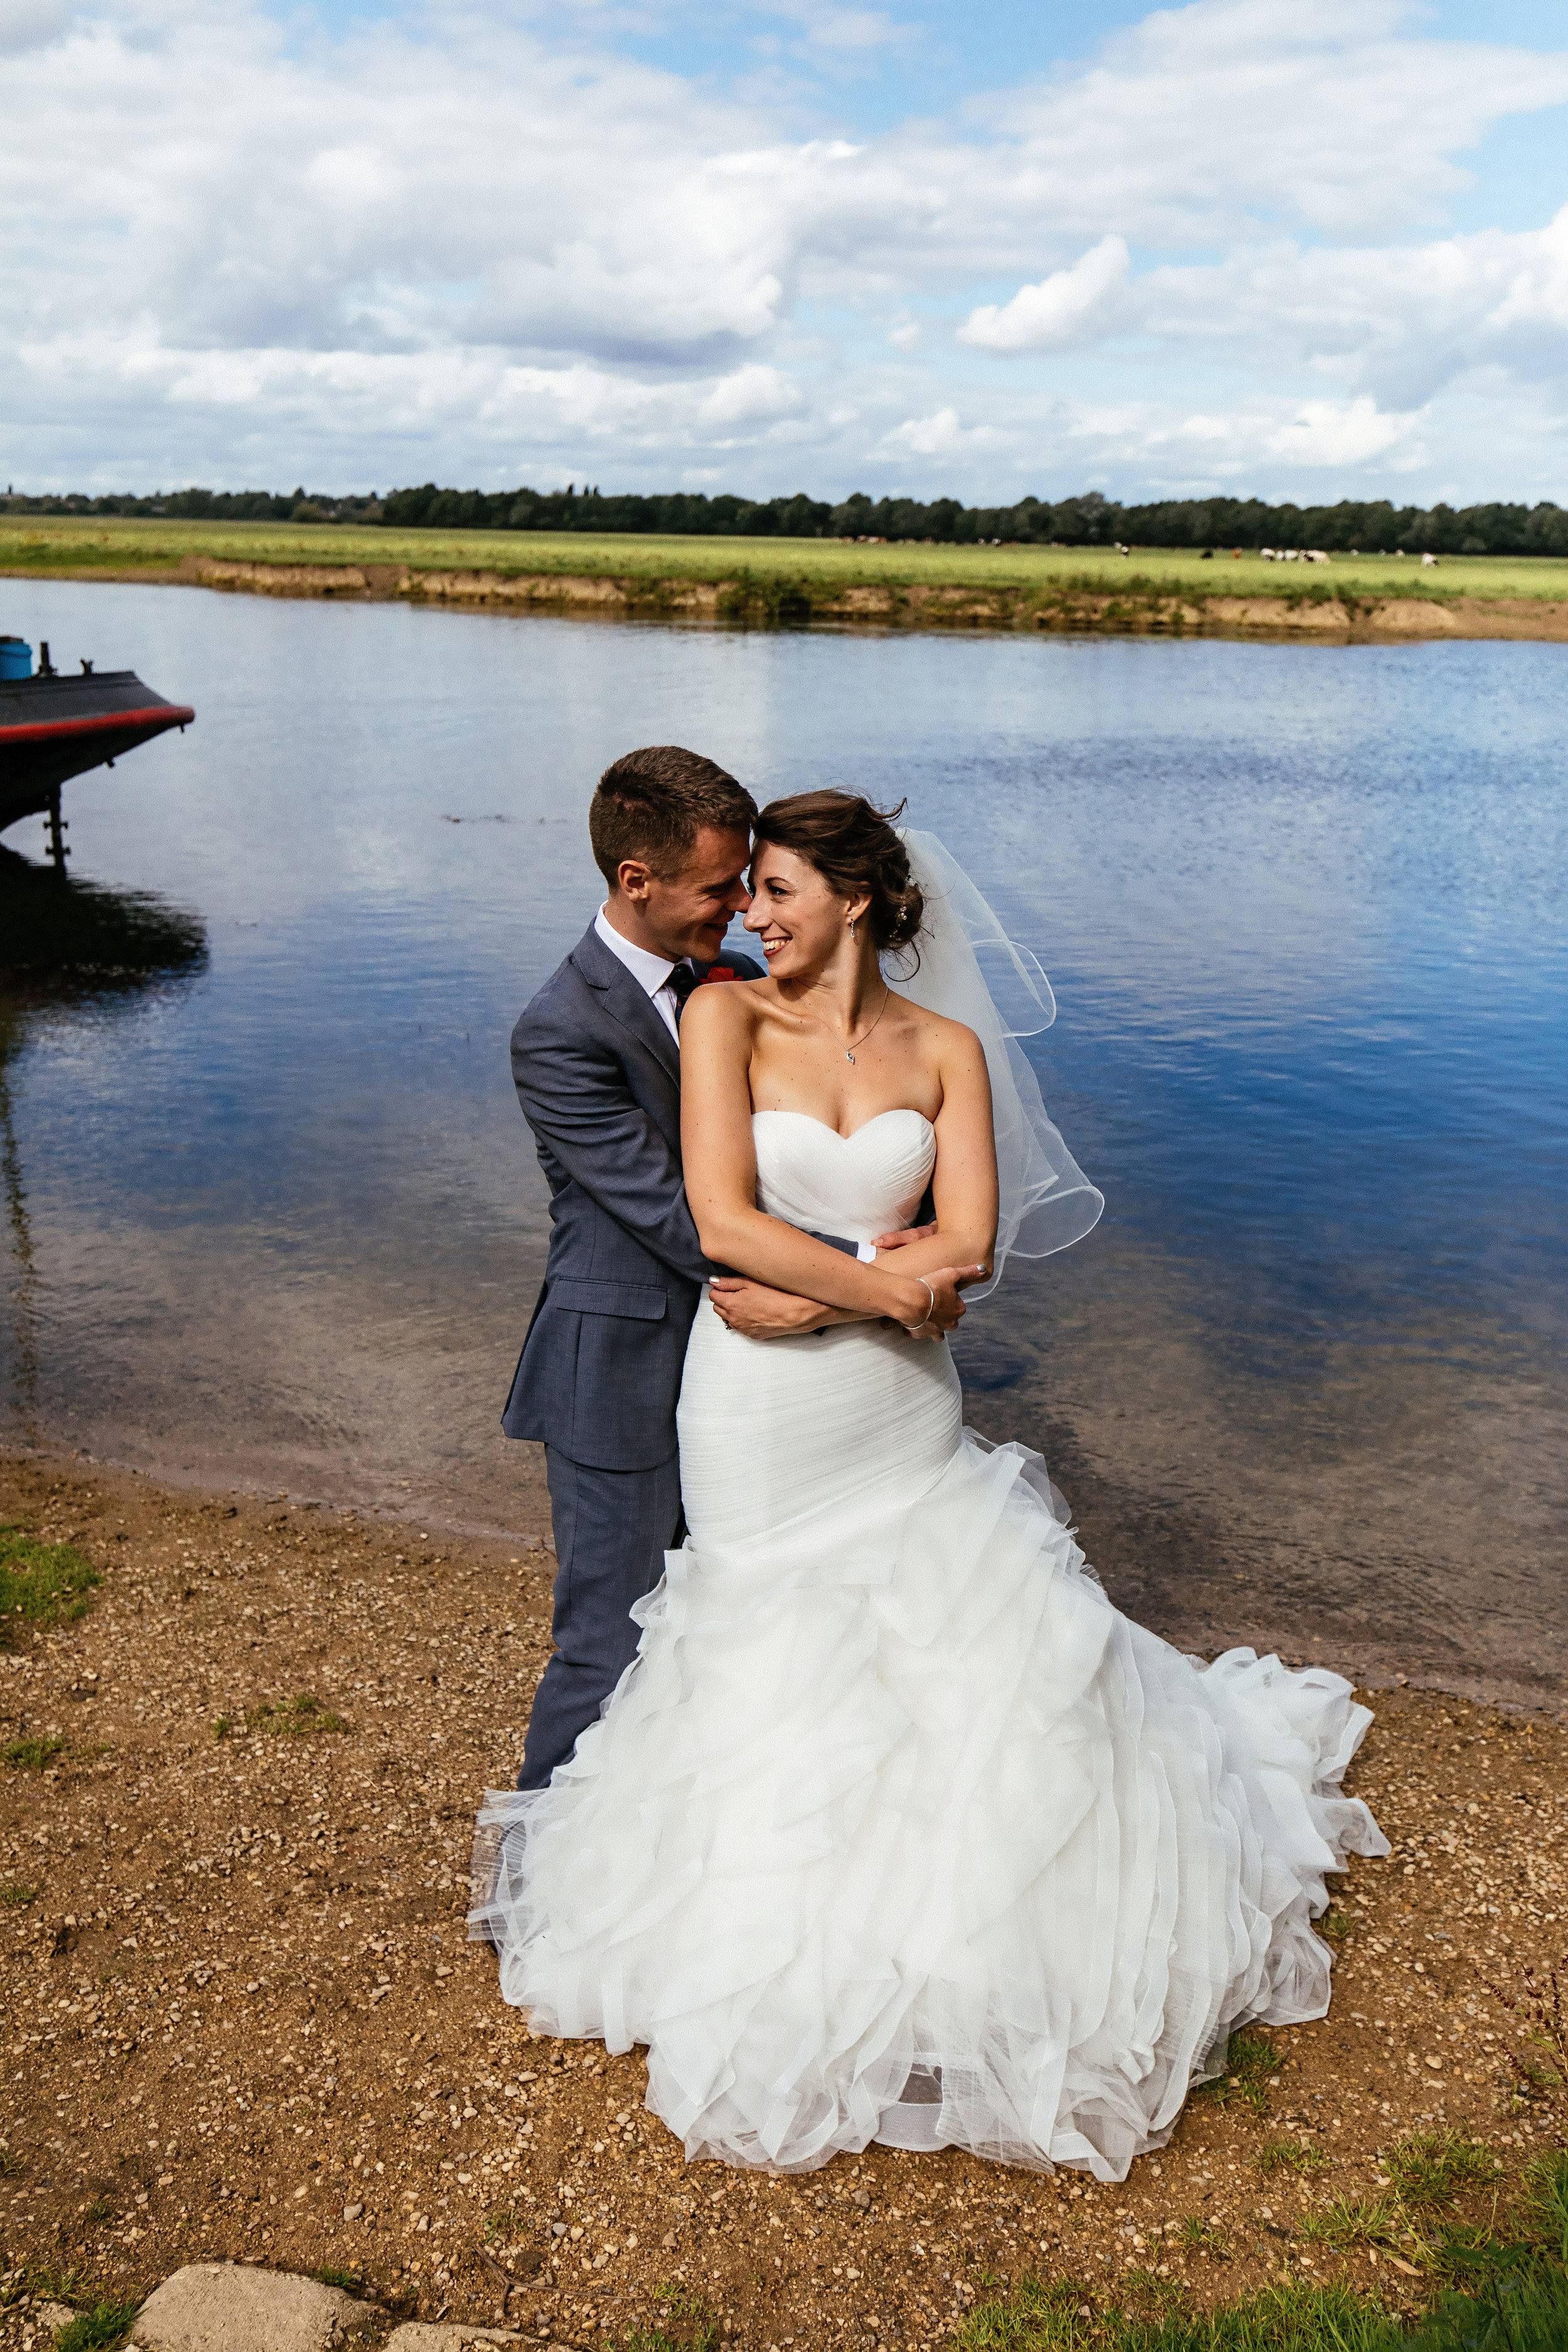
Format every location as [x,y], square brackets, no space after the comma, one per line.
[56,828]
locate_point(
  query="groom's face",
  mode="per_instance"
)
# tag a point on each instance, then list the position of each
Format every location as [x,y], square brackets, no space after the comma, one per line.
[687,913]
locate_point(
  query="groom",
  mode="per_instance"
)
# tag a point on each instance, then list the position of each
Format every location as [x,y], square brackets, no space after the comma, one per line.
[596,1062]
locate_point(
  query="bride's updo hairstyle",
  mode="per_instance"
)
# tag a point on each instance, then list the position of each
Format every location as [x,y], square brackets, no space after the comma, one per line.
[854,847]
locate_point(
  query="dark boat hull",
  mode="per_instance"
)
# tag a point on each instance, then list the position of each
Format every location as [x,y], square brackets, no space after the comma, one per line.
[54,728]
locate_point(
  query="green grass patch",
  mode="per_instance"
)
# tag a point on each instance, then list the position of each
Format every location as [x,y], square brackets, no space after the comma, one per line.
[41,1584]
[351,2282]
[1037,2316]
[1524,2310]
[296,1718]
[1197,2235]
[1541,2215]
[1065,2317]
[98,2330]
[1521,2310]
[1250,2061]
[31,1755]
[12,2166]
[1535,2078]
[783,577]
[1431,2170]
[685,2325]
[1298,2156]
[45,2285]
[1155,2295]
[1380,2222]
[17,1897]
[221,1726]
[505,2228]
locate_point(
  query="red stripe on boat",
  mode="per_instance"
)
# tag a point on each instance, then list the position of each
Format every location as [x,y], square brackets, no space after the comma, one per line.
[47,731]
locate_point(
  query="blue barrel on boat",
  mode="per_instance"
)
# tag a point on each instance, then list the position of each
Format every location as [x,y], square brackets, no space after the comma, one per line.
[16,659]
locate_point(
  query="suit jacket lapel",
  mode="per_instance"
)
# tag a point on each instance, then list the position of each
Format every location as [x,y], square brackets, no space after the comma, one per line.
[627,1000]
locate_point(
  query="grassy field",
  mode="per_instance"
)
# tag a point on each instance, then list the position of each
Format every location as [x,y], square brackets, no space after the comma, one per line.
[784,580]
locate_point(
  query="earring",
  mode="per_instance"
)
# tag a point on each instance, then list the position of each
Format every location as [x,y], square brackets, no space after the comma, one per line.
[852,927]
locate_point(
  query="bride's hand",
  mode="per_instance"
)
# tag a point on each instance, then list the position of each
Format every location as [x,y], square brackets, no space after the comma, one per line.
[759,1313]
[938,1297]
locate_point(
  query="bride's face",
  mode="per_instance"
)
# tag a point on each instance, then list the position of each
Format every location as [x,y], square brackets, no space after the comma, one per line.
[802,924]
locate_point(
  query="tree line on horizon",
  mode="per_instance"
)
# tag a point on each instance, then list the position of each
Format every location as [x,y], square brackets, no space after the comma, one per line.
[1373,526]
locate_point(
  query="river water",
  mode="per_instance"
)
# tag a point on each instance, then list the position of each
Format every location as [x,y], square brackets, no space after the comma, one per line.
[275,1219]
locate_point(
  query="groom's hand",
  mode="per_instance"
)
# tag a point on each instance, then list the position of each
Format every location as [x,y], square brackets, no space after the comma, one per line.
[908,1233]
[759,1313]
[901,1239]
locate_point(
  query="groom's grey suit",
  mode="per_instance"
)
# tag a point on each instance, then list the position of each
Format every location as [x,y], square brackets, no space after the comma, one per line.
[598,1076]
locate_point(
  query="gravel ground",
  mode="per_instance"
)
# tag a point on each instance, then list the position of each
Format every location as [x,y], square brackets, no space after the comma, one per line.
[241,2020]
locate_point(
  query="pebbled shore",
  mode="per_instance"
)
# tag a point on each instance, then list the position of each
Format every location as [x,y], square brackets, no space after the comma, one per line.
[242,2023]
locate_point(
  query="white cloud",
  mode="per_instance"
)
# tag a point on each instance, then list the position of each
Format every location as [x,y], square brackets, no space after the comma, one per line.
[1401,322]
[1071,306]
[1343,434]
[31,24]
[849,30]
[941,435]
[400,397]
[396,193]
[479,246]
[752,395]
[1192,125]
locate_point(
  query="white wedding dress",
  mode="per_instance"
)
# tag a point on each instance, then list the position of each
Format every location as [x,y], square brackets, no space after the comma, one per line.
[895,1828]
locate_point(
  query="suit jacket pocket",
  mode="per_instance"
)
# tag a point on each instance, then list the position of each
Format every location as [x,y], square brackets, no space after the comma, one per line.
[641,1300]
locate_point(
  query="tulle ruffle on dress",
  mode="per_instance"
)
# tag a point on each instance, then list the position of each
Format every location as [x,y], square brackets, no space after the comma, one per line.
[895,1828]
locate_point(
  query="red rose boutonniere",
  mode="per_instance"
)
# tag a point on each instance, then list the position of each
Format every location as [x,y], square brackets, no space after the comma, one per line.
[720,972]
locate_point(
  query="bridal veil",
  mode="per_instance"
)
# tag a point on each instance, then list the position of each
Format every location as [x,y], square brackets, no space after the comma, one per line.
[971,971]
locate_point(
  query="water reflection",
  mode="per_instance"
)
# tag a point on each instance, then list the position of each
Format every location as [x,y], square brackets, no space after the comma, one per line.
[1302,908]
[67,949]
[63,941]
[21,1327]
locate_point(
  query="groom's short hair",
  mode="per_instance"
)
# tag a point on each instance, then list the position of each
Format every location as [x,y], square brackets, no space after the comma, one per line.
[652,804]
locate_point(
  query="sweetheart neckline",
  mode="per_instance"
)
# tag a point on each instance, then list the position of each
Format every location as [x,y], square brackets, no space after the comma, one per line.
[899,1110]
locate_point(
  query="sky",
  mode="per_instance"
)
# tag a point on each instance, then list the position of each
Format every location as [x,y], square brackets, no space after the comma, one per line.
[978,250]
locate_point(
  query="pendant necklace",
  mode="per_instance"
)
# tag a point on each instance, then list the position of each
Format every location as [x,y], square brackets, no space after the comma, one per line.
[849,1050]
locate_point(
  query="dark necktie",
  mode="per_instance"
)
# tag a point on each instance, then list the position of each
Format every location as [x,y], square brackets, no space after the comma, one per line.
[680,984]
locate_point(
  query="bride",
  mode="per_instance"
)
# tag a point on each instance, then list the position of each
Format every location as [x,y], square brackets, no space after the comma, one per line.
[895,1830]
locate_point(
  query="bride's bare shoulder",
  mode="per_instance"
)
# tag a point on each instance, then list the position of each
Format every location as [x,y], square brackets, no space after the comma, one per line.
[717,1014]
[939,1035]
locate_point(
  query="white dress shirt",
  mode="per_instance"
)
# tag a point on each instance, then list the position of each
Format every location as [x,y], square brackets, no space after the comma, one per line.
[652,972]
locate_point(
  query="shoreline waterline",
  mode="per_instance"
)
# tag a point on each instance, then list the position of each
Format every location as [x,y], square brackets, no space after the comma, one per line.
[212,1481]
[349,1499]
[807,583]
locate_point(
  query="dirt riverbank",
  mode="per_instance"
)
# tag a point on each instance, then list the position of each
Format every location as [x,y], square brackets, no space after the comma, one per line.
[1139,607]
[241,2020]
[760,582]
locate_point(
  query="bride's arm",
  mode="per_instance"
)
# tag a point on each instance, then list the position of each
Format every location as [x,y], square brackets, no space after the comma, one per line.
[721,1183]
